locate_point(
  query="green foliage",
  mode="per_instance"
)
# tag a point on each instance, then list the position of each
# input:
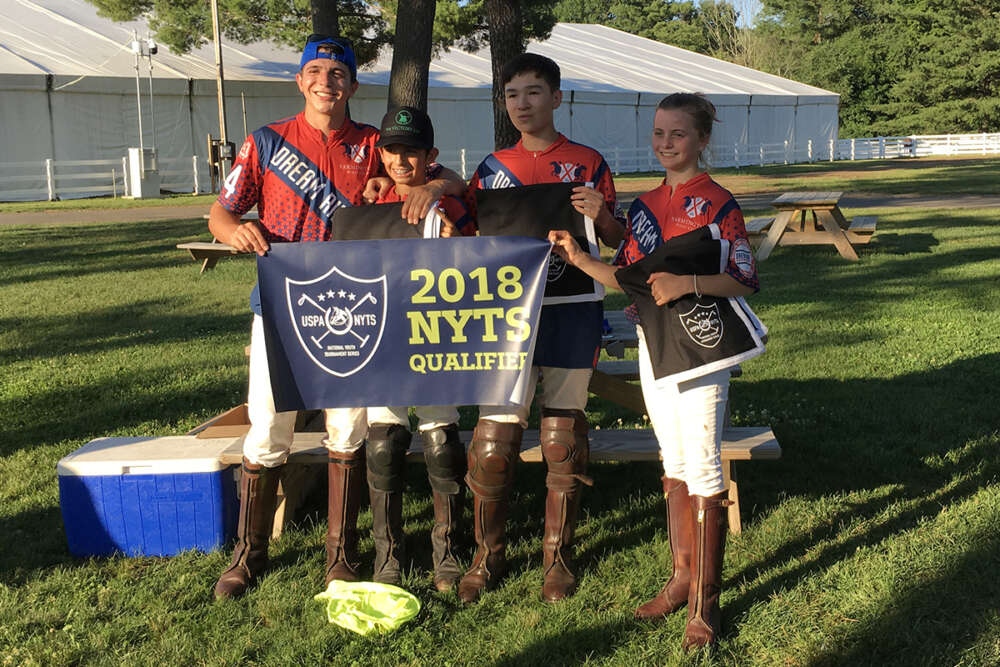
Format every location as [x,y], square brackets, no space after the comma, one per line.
[186,24]
[905,67]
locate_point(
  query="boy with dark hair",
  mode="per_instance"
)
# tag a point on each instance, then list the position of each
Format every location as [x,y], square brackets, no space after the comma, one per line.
[406,147]
[298,171]
[566,349]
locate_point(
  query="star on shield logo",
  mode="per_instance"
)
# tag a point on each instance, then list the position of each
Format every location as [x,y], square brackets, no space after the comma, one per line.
[339,319]
[703,324]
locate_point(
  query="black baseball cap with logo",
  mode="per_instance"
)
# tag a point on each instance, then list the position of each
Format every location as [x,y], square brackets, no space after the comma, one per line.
[408,126]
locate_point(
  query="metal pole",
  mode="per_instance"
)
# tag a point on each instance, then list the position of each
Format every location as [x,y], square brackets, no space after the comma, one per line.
[243,101]
[152,114]
[50,179]
[219,79]
[138,91]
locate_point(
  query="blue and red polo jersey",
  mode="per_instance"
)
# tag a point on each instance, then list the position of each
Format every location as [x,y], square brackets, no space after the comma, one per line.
[297,178]
[569,334]
[665,212]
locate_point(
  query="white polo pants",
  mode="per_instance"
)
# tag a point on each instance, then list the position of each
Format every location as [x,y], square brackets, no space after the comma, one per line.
[687,419]
[270,437]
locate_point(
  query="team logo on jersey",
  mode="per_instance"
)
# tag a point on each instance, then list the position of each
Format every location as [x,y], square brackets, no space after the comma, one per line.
[244,149]
[339,319]
[567,172]
[695,205]
[557,267]
[703,324]
[356,153]
[743,256]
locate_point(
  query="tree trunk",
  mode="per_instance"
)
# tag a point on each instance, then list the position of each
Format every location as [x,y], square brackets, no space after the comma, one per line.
[325,17]
[506,41]
[411,54]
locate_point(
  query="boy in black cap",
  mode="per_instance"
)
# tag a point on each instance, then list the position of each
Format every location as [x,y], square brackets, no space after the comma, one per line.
[406,147]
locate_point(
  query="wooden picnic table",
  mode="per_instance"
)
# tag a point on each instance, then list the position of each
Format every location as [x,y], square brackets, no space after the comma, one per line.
[814,218]
[210,252]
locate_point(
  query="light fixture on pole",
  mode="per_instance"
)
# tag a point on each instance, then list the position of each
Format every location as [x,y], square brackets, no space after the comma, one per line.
[143,176]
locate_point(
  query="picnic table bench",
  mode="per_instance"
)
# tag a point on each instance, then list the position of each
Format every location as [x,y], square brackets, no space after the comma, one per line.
[746,443]
[210,252]
[811,218]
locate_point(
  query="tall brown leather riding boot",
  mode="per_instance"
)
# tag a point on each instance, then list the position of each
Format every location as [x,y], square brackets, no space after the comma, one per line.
[704,616]
[680,526]
[258,493]
[492,458]
[446,466]
[346,474]
[387,445]
[566,451]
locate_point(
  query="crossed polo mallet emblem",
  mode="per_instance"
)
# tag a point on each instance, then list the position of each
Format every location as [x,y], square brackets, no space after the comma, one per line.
[339,321]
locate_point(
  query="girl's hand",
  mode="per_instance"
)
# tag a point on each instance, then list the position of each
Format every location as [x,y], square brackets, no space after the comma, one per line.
[667,287]
[566,246]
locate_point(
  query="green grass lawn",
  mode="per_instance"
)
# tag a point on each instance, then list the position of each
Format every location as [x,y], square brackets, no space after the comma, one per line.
[106,203]
[926,176]
[874,540]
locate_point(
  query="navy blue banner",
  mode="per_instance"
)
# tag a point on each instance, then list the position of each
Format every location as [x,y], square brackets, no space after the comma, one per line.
[401,321]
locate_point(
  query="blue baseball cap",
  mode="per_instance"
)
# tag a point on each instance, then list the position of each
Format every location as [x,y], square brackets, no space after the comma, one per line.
[336,48]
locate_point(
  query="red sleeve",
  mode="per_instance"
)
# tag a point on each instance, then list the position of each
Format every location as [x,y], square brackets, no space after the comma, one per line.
[742,266]
[469,199]
[459,215]
[240,192]
[606,186]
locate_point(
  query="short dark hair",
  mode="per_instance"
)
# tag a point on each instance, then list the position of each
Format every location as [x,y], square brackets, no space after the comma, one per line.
[696,104]
[545,68]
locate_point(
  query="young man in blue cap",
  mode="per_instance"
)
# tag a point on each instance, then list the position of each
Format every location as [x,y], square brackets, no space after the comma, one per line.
[298,171]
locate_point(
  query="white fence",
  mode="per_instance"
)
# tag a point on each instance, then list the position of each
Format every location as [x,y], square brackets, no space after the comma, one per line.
[67,179]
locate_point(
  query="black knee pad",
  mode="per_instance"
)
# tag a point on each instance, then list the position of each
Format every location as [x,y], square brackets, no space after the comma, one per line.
[386,456]
[445,459]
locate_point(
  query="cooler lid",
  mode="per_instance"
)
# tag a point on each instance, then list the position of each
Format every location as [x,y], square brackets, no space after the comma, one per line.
[147,456]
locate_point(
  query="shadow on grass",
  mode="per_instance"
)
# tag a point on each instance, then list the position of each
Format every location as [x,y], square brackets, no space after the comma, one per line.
[149,322]
[936,623]
[572,646]
[931,458]
[116,405]
[34,542]
[85,249]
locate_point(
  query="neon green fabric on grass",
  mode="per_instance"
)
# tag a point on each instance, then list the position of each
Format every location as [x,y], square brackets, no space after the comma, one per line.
[366,606]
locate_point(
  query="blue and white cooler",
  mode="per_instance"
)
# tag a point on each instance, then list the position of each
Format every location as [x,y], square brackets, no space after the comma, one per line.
[148,496]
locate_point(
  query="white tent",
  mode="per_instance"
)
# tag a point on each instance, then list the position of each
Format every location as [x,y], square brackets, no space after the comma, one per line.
[68,93]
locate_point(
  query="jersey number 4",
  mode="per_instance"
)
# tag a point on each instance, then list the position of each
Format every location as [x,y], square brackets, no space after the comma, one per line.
[229,186]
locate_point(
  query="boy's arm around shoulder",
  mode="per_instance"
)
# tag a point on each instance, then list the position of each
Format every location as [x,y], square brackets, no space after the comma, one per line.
[422,197]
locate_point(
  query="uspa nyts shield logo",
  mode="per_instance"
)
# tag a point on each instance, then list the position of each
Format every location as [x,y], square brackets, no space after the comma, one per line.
[339,319]
[703,324]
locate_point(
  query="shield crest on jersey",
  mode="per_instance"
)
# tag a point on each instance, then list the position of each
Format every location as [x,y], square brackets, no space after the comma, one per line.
[338,318]
[703,324]
[557,266]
